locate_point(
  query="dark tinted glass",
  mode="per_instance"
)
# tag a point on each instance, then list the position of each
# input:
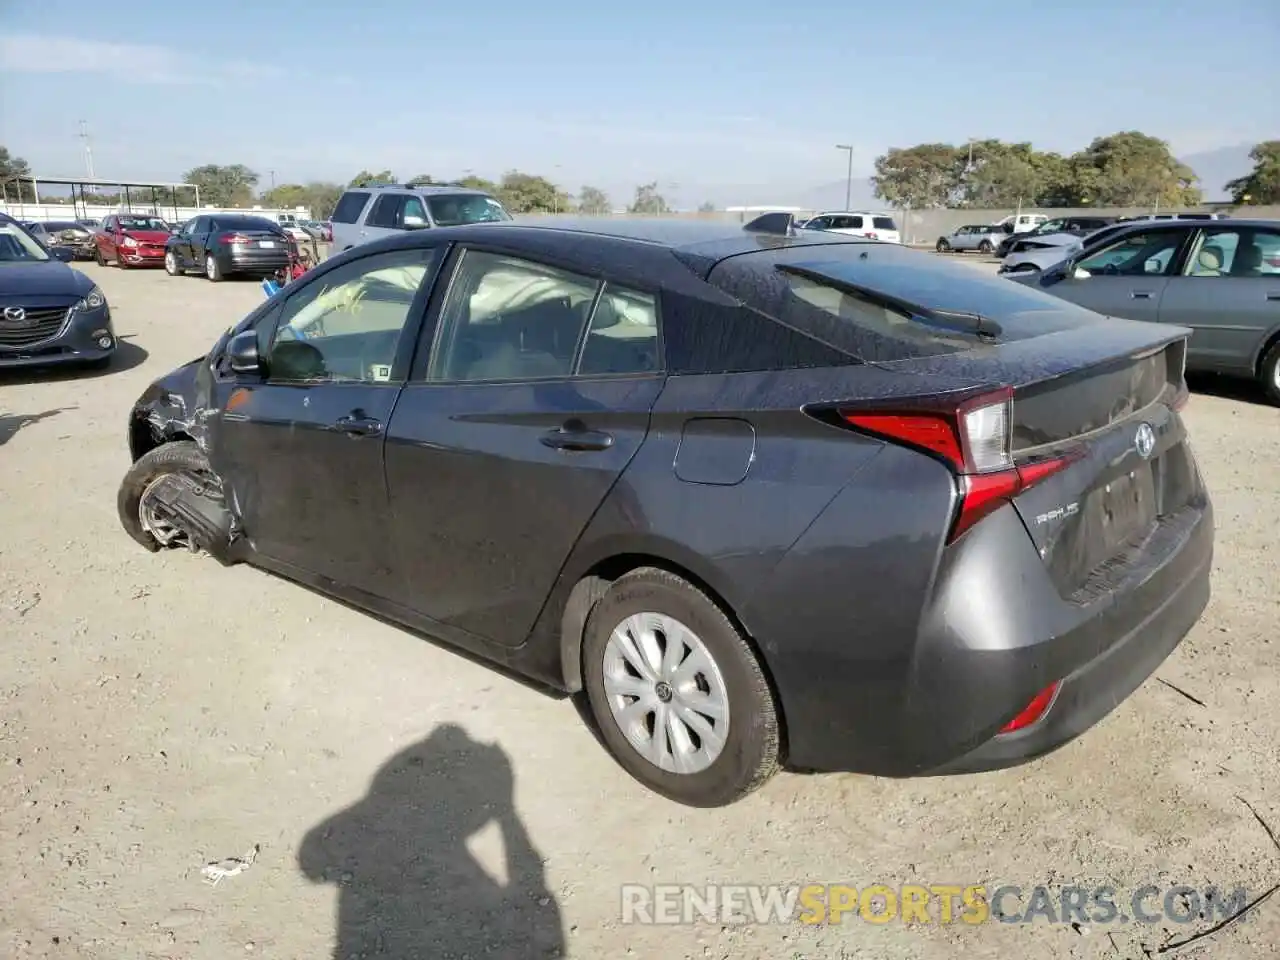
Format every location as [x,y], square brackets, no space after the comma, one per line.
[384,209]
[349,207]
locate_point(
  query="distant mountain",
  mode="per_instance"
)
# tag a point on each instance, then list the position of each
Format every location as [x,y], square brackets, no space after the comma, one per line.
[1216,167]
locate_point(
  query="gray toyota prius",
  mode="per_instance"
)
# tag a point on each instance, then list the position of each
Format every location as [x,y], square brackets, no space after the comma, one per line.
[762,498]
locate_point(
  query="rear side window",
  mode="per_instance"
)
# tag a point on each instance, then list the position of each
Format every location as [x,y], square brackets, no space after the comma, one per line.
[349,207]
[384,211]
[884,223]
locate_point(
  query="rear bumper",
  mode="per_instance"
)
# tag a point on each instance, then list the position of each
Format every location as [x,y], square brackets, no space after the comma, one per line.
[264,262]
[921,675]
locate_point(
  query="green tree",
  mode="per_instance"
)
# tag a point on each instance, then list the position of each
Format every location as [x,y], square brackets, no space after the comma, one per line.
[224,186]
[528,193]
[1002,174]
[1130,169]
[423,180]
[11,166]
[364,178]
[1262,185]
[649,200]
[473,182]
[593,200]
[919,177]
[319,197]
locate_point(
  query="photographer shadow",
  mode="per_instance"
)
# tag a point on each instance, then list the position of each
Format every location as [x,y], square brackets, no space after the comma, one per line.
[408,887]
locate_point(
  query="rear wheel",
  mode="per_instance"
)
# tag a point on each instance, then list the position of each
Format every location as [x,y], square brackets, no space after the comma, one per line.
[677,692]
[1270,373]
[97,255]
[985,248]
[943,247]
[211,268]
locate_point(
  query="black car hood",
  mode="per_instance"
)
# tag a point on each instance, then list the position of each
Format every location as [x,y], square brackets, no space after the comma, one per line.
[49,278]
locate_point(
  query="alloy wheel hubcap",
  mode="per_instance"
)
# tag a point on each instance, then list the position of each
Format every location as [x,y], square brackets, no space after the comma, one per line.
[209,267]
[666,693]
[166,533]
[170,263]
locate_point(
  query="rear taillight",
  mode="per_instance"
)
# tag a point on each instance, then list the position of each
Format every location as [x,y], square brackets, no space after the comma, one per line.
[234,238]
[974,439]
[873,236]
[1033,711]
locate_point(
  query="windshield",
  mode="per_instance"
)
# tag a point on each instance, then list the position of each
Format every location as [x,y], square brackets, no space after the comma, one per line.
[142,223]
[452,211]
[18,246]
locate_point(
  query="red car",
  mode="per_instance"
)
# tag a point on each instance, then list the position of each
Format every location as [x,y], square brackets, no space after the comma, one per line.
[132,240]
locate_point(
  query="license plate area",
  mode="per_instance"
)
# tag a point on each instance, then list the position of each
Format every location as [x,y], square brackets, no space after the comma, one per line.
[1128,505]
[267,244]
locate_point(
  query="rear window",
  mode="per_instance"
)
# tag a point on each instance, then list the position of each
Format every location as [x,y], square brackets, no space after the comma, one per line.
[246,223]
[884,223]
[349,207]
[863,306]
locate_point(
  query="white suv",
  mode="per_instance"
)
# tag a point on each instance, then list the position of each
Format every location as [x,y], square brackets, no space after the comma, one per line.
[370,213]
[856,223]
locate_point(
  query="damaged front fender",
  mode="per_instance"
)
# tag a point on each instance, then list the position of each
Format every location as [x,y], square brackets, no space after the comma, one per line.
[177,406]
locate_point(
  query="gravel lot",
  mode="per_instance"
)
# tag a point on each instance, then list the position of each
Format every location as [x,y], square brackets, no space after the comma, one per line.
[158,712]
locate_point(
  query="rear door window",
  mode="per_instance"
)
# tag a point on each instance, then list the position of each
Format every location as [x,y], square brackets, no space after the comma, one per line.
[884,223]
[349,207]
[385,210]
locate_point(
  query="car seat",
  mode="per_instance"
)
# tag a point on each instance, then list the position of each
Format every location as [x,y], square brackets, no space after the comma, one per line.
[1209,261]
[1248,262]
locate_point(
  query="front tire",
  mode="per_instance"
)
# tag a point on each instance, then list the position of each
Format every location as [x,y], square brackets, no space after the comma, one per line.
[677,693]
[1269,371]
[943,247]
[211,268]
[985,248]
[181,456]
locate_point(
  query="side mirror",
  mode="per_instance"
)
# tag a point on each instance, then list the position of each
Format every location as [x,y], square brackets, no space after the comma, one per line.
[1079,273]
[61,253]
[242,354]
[415,223]
[1153,266]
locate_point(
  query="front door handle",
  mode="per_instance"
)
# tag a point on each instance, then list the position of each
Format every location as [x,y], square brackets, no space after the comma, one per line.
[1273,296]
[1141,294]
[577,440]
[358,426]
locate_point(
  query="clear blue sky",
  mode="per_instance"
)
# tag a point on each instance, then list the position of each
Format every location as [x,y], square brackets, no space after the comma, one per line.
[749,92]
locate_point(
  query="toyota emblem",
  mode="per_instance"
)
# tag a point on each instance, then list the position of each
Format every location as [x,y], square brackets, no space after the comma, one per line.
[15,314]
[1144,441]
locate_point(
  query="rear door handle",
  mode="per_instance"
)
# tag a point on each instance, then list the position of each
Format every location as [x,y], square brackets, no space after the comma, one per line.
[577,440]
[1141,294]
[1273,296]
[358,426]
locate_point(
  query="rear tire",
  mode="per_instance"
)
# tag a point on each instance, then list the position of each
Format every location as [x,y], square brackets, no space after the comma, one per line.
[98,257]
[211,268]
[985,248]
[741,748]
[1269,373]
[180,456]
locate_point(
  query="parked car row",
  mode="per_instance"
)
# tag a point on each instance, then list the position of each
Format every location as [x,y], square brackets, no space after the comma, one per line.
[1219,278]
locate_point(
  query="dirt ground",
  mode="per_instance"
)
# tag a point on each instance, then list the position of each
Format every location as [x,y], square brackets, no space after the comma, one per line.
[158,712]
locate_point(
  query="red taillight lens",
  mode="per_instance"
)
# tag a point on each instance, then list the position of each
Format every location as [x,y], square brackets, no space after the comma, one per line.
[974,439]
[1034,710]
[873,236]
[234,238]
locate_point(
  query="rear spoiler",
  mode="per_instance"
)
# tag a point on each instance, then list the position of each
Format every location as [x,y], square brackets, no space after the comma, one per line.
[781,224]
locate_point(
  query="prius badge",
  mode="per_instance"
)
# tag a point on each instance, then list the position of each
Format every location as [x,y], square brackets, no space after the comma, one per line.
[1144,441]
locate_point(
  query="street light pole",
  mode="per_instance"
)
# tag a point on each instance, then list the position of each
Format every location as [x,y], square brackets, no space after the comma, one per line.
[848,183]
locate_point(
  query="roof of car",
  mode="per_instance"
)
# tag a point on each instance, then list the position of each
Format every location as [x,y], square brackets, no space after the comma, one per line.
[700,236]
[452,189]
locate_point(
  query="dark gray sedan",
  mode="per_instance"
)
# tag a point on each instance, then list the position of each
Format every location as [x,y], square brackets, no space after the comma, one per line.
[1221,278]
